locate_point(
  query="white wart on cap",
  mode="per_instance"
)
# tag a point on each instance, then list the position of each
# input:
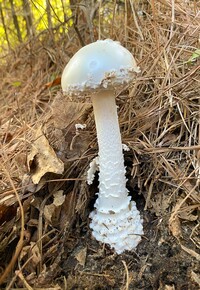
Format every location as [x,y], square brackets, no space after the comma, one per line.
[99,69]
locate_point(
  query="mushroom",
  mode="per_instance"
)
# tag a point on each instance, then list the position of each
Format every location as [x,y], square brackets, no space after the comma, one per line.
[100,69]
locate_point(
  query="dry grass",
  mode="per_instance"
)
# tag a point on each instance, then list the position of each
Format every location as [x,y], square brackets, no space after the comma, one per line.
[159,117]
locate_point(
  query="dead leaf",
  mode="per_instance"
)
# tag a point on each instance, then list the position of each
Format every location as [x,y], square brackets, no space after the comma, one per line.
[166,287]
[29,186]
[65,113]
[35,253]
[55,82]
[187,215]
[52,211]
[61,130]
[67,215]
[195,277]
[49,212]
[21,164]
[81,256]
[191,252]
[31,251]
[59,198]
[160,204]
[43,159]
[175,227]
[169,287]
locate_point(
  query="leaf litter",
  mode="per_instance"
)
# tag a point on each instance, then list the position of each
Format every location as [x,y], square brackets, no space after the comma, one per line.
[45,241]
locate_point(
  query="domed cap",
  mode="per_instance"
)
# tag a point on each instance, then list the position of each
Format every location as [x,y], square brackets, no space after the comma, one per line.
[104,64]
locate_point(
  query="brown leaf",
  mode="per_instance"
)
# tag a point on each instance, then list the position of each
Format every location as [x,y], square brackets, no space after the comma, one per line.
[31,251]
[169,287]
[188,215]
[52,211]
[43,159]
[160,204]
[195,277]
[191,252]
[68,211]
[175,227]
[49,212]
[29,186]
[61,130]
[21,164]
[67,112]
[55,82]
[81,256]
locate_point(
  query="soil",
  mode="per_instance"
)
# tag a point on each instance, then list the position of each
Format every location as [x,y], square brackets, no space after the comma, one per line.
[158,262]
[159,123]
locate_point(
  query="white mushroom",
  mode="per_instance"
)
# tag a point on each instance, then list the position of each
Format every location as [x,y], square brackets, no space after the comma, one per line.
[99,69]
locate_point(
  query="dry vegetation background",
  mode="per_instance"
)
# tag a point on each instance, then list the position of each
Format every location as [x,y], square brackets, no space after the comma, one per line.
[45,241]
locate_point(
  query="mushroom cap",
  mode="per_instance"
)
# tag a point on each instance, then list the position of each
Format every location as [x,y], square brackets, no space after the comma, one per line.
[104,64]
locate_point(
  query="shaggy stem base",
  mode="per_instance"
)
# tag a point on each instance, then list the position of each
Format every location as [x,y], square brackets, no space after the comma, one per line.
[116,221]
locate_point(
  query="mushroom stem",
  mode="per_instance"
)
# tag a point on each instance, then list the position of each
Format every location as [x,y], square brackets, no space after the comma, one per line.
[113,195]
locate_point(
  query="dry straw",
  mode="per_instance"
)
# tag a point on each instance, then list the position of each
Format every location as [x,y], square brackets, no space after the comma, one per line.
[160,121]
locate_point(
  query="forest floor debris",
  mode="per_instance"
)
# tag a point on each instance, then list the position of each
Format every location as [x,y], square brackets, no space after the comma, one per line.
[44,232]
